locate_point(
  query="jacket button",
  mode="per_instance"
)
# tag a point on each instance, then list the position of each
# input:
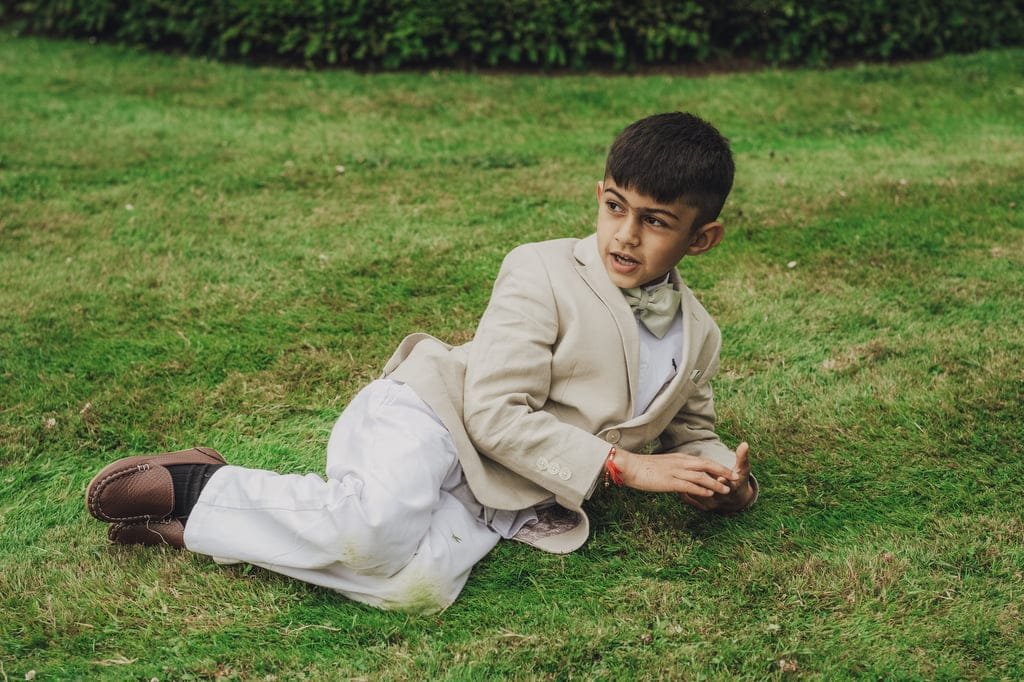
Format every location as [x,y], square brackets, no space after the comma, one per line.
[553,468]
[612,436]
[542,463]
[565,474]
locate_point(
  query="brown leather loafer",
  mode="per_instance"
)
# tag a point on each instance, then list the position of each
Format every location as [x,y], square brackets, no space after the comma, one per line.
[139,488]
[169,532]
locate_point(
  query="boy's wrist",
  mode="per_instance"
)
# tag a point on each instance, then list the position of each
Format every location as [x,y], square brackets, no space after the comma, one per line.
[624,462]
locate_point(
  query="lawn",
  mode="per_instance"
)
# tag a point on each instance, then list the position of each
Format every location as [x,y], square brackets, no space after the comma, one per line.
[201,253]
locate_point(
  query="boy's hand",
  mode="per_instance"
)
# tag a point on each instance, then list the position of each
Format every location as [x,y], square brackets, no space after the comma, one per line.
[674,472]
[739,494]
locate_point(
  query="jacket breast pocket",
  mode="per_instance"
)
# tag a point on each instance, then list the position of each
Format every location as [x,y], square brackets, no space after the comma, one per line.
[701,372]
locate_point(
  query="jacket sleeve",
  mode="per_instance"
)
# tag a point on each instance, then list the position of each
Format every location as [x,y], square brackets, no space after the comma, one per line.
[508,379]
[692,430]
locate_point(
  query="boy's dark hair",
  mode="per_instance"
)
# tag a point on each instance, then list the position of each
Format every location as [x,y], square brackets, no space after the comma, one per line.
[671,157]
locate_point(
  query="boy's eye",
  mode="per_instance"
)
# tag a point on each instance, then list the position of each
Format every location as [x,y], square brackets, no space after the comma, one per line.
[651,220]
[613,207]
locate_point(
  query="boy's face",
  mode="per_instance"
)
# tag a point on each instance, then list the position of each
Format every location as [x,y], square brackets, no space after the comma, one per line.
[639,239]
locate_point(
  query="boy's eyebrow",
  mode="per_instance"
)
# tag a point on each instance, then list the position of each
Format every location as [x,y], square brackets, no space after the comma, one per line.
[648,210]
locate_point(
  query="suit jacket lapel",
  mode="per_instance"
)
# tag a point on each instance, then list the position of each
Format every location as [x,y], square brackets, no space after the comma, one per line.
[591,269]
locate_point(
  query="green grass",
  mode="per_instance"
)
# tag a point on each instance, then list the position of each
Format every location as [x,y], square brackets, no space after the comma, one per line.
[250,290]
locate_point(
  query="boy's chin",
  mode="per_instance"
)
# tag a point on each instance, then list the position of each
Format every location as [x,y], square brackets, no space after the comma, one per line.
[632,281]
[622,282]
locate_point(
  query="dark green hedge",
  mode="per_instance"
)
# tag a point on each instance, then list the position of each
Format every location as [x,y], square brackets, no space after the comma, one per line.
[532,33]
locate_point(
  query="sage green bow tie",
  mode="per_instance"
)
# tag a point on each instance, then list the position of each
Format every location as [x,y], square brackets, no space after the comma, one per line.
[656,309]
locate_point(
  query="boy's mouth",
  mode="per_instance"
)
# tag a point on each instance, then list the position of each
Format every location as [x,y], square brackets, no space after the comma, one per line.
[624,259]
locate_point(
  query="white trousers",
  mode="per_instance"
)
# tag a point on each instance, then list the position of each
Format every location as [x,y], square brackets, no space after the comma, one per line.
[382,529]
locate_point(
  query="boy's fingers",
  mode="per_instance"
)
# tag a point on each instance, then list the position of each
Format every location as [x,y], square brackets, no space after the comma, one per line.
[695,463]
[742,449]
[704,481]
[711,467]
[695,490]
[742,458]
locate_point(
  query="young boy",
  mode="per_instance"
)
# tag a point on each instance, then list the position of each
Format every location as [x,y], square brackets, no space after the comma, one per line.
[590,353]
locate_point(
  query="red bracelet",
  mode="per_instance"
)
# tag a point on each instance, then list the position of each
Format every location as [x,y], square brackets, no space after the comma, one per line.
[611,472]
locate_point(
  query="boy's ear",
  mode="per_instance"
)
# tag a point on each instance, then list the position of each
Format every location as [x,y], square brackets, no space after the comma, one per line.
[705,238]
[600,188]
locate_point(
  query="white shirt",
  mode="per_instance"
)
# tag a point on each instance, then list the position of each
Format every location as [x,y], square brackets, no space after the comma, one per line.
[659,362]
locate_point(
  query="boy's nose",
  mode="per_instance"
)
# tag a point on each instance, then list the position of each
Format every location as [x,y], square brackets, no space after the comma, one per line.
[629,231]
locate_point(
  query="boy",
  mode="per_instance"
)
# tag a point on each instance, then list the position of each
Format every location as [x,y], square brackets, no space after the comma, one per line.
[589,353]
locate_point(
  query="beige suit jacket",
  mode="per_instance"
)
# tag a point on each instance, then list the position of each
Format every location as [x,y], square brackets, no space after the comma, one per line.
[548,383]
